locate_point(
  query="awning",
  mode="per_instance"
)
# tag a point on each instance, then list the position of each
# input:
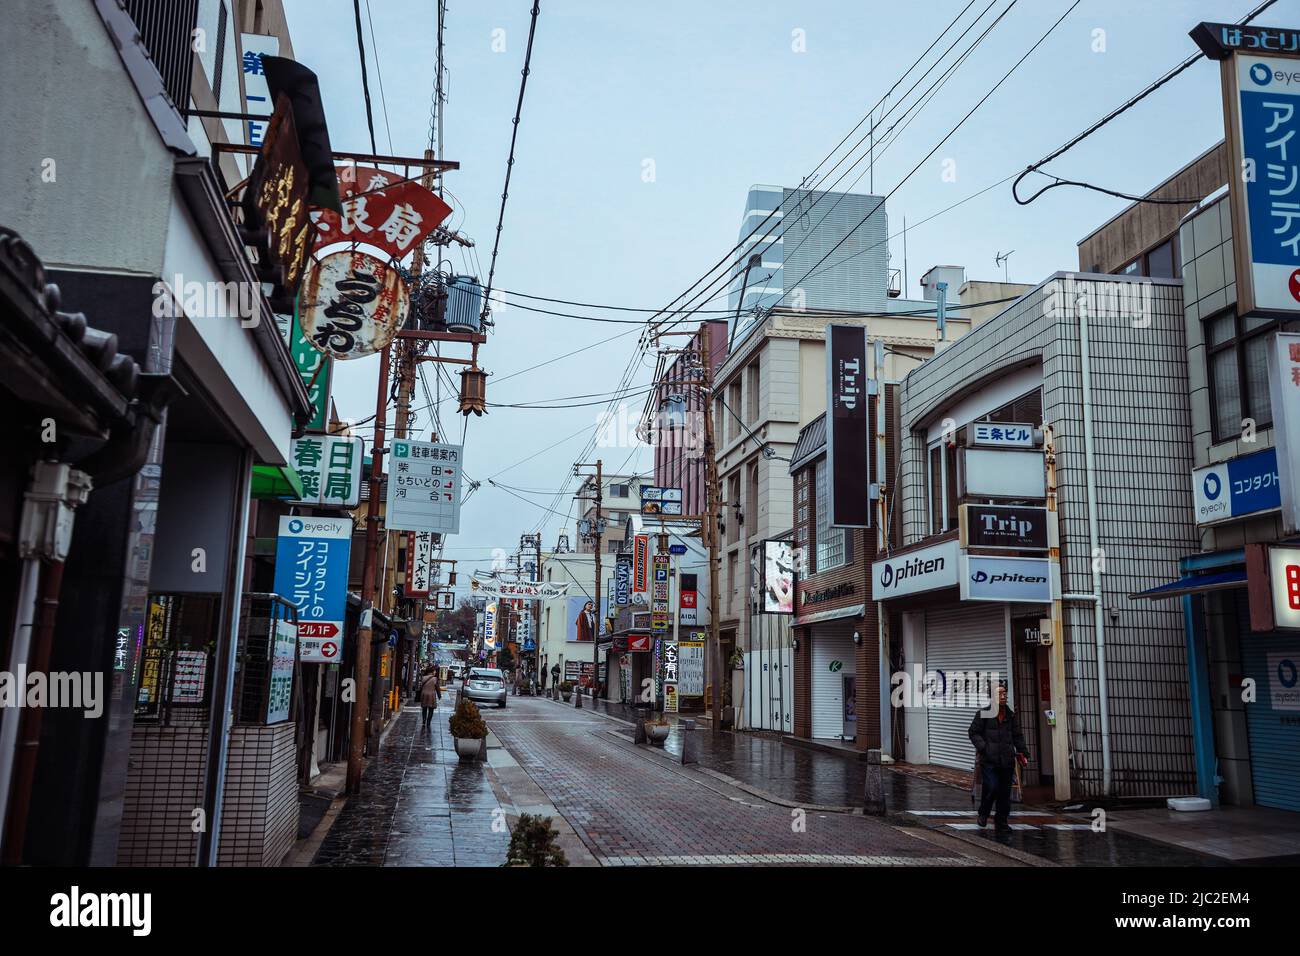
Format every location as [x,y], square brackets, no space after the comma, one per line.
[1194,584]
[835,614]
[276,481]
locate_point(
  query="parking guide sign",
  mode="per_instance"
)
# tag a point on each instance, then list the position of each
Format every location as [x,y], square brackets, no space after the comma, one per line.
[424,487]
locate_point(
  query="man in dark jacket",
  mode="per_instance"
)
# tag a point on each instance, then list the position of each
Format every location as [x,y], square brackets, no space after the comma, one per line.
[1000,744]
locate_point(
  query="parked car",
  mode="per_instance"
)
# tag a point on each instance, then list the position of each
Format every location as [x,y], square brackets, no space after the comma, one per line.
[486,685]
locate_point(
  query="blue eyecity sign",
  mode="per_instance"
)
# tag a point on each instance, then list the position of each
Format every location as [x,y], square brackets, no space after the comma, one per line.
[1242,486]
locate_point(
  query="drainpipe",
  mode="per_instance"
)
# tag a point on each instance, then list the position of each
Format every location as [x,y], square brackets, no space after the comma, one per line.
[1090,474]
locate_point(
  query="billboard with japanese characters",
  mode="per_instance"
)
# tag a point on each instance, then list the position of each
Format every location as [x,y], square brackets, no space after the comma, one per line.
[424,487]
[311,572]
[330,469]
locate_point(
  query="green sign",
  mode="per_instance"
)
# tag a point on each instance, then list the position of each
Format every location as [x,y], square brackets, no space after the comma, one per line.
[308,360]
[330,469]
[836,666]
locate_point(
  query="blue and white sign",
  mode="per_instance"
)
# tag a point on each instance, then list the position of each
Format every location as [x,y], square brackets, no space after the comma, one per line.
[1267,194]
[623,581]
[678,549]
[257,94]
[1002,434]
[1005,579]
[1242,486]
[311,572]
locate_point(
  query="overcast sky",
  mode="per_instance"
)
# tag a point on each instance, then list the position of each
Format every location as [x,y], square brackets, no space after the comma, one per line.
[715,97]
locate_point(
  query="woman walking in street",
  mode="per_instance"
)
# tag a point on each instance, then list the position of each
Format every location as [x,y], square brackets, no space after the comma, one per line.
[430,694]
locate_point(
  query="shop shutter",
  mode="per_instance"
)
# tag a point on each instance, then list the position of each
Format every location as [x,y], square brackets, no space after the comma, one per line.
[830,642]
[1272,660]
[971,637]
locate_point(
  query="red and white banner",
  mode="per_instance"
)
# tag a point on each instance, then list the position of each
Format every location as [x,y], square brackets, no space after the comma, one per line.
[641,564]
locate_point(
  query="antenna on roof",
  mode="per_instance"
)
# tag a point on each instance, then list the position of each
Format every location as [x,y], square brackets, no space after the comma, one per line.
[1000,259]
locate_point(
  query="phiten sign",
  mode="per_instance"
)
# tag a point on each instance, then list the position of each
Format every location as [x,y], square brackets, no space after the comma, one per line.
[311,572]
[1005,579]
[926,569]
[352,304]
[847,426]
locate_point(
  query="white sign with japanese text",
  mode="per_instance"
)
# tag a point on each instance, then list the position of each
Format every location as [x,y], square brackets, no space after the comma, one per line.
[1002,434]
[424,487]
[330,469]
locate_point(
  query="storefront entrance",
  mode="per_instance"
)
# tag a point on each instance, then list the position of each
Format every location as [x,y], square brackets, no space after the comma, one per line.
[834,667]
[1272,660]
[959,641]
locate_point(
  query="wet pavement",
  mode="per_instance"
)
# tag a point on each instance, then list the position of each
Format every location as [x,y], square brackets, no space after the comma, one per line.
[813,778]
[634,808]
[419,805]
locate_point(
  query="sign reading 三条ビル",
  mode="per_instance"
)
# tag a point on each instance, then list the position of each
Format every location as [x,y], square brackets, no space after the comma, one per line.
[1284,393]
[424,487]
[1001,434]
[1262,96]
[1245,485]
[311,572]
[330,469]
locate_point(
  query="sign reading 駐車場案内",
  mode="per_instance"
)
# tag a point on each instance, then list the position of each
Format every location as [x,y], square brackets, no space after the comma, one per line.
[330,469]
[311,573]
[1248,484]
[424,487]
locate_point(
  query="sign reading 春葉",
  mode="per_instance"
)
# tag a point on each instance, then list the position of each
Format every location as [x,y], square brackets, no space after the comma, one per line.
[1242,486]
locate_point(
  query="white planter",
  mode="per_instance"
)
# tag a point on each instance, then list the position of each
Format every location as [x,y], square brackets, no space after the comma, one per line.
[657,732]
[468,748]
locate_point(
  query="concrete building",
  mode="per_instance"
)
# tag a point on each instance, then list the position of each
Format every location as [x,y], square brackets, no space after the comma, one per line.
[620,499]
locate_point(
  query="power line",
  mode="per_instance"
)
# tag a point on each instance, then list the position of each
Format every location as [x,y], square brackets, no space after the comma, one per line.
[365,80]
[379,71]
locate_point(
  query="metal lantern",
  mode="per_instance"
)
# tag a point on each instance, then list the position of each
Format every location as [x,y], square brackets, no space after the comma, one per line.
[473,391]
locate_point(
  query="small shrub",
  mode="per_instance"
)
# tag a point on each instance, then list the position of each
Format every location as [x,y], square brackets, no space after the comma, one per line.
[533,843]
[467,722]
[566,687]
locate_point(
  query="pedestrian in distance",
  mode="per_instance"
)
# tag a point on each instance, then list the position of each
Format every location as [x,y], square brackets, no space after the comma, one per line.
[430,695]
[999,745]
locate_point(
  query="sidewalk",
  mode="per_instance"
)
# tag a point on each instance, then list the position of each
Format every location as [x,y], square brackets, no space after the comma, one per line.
[822,779]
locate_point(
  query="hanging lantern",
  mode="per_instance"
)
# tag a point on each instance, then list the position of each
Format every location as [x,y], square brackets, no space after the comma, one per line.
[473,391]
[451,579]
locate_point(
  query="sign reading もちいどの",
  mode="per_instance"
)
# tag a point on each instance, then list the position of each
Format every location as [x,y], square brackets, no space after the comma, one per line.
[424,487]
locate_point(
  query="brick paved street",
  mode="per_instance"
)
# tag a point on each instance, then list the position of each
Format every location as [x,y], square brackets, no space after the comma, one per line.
[633,807]
[419,805]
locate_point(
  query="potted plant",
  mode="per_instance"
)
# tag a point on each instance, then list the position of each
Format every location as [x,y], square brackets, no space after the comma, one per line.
[533,843]
[656,728]
[566,690]
[468,729]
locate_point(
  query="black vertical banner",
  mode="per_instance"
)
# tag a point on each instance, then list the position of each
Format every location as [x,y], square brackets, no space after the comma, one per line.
[847,425]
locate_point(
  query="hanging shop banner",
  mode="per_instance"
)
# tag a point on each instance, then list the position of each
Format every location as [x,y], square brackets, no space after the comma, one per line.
[623,581]
[1005,579]
[1262,117]
[640,564]
[778,578]
[1284,392]
[280,692]
[519,590]
[660,501]
[1245,485]
[352,304]
[380,210]
[311,572]
[314,368]
[688,610]
[257,94]
[490,626]
[330,469]
[419,563]
[424,487]
[277,197]
[1284,585]
[690,665]
[1003,526]
[847,426]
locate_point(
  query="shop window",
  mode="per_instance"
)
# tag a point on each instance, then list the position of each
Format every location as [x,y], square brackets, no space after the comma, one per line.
[175,660]
[830,543]
[1236,351]
[941,480]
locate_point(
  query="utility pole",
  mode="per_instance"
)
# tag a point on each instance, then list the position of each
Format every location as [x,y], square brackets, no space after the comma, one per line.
[711,522]
[599,588]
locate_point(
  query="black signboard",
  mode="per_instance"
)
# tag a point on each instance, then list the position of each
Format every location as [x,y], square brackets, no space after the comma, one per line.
[847,427]
[1218,41]
[1006,526]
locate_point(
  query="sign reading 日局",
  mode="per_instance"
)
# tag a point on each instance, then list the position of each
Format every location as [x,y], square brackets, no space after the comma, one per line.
[330,469]
[424,487]
[311,572]
[1245,485]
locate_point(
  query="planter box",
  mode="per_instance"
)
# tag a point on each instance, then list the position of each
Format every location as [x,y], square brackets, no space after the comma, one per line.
[468,748]
[657,733]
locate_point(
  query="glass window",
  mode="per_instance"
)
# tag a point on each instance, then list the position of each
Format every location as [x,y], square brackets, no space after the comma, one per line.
[1161,262]
[1134,268]
[1237,365]
[935,476]
[829,541]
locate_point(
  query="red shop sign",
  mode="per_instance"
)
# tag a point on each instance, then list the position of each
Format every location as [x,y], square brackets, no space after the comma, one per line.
[381,211]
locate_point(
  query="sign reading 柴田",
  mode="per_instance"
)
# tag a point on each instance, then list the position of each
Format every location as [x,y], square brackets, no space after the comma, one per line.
[330,469]
[1004,526]
[1262,93]
[311,572]
[1241,486]
[926,569]
[1005,579]
[1284,393]
[847,426]
[424,487]
[1001,434]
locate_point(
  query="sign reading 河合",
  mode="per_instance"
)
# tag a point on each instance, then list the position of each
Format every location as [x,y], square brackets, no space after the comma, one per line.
[330,469]
[1003,473]
[424,487]
[1240,486]
[1001,434]
[1005,579]
[925,569]
[660,501]
[847,426]
[1004,526]
[311,572]
[1262,120]
[1284,393]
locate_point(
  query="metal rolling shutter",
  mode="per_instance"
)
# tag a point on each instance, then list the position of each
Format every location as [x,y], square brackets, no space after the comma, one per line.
[967,638]
[830,642]
[1274,734]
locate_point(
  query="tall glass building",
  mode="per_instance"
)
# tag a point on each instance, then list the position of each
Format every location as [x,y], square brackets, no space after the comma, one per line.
[799,270]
